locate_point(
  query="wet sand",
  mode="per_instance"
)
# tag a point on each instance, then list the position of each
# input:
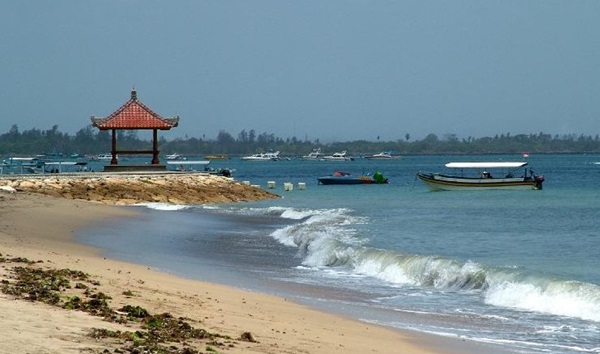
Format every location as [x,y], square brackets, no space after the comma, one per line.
[41,228]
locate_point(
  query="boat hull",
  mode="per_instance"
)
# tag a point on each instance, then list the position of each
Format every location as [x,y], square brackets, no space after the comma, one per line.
[341,177]
[336,158]
[346,180]
[449,183]
[257,159]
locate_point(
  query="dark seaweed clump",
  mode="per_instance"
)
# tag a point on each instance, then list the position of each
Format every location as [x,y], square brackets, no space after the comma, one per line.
[157,334]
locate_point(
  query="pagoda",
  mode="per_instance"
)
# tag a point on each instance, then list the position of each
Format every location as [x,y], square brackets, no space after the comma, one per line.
[134,115]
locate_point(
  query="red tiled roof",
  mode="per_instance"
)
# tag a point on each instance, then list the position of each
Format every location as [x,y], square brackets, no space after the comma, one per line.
[134,115]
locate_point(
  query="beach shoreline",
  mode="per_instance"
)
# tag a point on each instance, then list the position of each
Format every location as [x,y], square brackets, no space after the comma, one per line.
[42,228]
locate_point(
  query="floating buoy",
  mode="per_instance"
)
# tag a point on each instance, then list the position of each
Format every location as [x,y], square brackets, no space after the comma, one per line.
[287,186]
[271,184]
[301,185]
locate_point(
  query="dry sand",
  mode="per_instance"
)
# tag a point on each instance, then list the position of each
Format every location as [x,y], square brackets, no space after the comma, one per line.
[41,228]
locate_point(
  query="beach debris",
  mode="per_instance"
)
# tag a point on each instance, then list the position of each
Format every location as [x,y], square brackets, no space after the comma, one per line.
[247,337]
[134,311]
[8,189]
[162,333]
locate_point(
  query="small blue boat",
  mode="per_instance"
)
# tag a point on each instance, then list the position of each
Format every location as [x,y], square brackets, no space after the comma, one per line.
[341,177]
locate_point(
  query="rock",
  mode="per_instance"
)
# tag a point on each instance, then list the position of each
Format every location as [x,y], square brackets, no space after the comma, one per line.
[131,189]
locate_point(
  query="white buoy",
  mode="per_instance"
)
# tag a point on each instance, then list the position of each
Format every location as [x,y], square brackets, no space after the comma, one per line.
[255,185]
[271,184]
[301,185]
[287,186]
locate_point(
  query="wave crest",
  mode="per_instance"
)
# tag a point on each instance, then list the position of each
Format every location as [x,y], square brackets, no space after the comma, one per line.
[326,238]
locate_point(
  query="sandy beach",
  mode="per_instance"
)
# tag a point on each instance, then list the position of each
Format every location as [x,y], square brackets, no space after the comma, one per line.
[40,229]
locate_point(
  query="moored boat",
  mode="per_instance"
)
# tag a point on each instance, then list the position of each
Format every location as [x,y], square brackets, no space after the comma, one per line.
[103,157]
[315,155]
[341,177]
[217,157]
[174,156]
[384,155]
[20,165]
[197,165]
[338,156]
[266,156]
[477,176]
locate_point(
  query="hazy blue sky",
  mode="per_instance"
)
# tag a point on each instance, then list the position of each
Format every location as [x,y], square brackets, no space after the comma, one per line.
[327,69]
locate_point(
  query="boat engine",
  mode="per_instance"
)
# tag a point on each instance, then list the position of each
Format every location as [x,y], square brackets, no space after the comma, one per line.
[538,181]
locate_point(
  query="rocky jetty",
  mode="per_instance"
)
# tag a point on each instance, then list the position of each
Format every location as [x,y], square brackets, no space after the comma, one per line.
[132,188]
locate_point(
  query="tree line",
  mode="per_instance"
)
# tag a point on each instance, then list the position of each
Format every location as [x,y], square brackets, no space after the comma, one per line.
[91,141]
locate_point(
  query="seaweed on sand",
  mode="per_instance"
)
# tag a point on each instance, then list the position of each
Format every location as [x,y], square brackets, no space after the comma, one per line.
[161,334]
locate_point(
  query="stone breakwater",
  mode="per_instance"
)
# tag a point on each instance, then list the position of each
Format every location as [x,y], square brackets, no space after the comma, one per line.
[131,188]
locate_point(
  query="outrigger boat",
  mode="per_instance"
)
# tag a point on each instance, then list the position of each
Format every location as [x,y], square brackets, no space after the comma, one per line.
[477,176]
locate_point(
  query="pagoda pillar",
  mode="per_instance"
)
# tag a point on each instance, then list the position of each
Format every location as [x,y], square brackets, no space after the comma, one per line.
[114,160]
[155,160]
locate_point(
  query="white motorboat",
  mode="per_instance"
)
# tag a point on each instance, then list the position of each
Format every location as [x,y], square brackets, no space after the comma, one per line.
[103,157]
[266,156]
[315,155]
[384,155]
[338,156]
[174,156]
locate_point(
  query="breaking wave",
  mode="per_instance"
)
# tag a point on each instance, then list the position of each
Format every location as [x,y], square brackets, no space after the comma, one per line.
[329,238]
[163,206]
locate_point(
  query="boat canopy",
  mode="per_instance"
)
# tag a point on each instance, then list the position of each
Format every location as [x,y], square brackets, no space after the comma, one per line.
[485,164]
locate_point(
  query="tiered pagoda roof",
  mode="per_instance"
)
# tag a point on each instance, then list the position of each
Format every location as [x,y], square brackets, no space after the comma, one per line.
[134,115]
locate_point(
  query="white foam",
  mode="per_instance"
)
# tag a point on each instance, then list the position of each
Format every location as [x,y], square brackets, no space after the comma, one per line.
[163,206]
[573,299]
[297,214]
[390,272]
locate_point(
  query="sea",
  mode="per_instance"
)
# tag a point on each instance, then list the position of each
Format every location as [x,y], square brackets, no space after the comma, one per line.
[517,270]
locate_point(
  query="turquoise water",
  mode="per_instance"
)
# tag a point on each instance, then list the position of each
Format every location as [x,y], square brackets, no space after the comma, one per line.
[517,269]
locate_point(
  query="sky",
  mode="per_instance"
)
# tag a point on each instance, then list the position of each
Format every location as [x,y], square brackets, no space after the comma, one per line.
[333,70]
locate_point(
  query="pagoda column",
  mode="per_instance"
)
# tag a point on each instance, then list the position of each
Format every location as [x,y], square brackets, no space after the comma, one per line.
[155,160]
[114,160]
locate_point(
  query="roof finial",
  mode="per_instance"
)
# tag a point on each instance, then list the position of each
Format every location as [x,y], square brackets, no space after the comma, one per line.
[133,94]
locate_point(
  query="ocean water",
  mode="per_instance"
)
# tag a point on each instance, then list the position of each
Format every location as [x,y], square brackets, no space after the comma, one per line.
[517,270]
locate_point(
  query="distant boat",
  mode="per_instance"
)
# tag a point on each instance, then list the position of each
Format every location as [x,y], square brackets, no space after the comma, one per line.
[103,157]
[65,166]
[341,177]
[21,160]
[338,156]
[183,165]
[384,155]
[174,156]
[267,156]
[314,155]
[20,164]
[476,176]
[217,157]
[197,165]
